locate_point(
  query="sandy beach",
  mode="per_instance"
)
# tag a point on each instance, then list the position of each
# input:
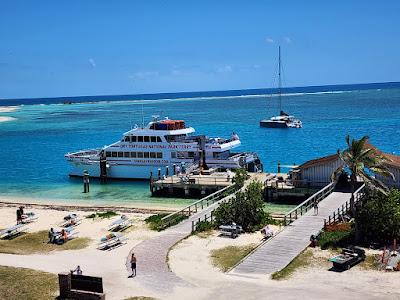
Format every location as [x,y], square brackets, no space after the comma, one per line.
[190,260]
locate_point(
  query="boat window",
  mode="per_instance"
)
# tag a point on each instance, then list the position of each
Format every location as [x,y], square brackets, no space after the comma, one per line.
[126,154]
[159,139]
[146,155]
[152,155]
[173,154]
[133,154]
[190,154]
[146,139]
[108,154]
[140,154]
[134,138]
[159,154]
[153,139]
[114,154]
[120,154]
[140,139]
[127,139]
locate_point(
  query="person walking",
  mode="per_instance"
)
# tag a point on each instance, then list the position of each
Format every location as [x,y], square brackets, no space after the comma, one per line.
[133,264]
[19,216]
[315,207]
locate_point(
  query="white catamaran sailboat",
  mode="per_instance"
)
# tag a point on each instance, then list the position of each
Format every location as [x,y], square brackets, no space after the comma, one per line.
[284,120]
[161,144]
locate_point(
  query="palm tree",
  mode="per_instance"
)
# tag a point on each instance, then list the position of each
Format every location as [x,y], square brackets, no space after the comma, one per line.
[364,161]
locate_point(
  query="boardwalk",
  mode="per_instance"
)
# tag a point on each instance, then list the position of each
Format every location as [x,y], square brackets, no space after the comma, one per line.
[278,252]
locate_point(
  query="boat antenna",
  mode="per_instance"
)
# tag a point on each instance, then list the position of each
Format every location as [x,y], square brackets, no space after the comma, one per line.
[279,82]
[142,117]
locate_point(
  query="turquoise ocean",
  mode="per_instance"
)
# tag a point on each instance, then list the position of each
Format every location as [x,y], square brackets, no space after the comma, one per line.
[32,147]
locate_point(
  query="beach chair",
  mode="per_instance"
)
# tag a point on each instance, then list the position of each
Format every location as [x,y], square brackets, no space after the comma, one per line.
[121,224]
[29,217]
[71,220]
[12,231]
[111,240]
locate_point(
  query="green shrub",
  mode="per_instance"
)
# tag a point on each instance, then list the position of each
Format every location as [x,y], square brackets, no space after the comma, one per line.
[335,239]
[241,176]
[155,222]
[378,219]
[204,226]
[245,209]
[102,215]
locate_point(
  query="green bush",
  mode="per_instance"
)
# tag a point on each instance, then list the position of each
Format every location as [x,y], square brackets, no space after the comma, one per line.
[245,209]
[241,176]
[204,226]
[335,239]
[155,222]
[378,219]
[102,215]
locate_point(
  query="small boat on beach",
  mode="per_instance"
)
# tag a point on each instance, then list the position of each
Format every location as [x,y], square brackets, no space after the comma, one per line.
[162,147]
[284,120]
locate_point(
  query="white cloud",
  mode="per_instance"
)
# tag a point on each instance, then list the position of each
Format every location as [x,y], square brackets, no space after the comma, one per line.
[287,39]
[269,40]
[143,75]
[92,62]
[225,69]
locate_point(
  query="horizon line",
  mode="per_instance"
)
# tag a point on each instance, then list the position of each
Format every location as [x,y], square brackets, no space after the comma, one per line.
[203,91]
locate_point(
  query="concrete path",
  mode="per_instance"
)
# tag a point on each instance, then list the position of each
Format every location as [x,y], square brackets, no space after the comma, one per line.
[278,252]
[152,254]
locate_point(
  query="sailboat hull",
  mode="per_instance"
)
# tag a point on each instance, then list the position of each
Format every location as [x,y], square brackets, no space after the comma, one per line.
[273,124]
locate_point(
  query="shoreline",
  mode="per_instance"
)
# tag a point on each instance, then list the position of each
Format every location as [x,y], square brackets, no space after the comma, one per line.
[88,208]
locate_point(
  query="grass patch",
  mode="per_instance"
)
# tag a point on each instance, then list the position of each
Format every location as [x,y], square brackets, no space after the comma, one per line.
[36,242]
[227,257]
[27,284]
[371,262]
[102,215]
[301,261]
[155,222]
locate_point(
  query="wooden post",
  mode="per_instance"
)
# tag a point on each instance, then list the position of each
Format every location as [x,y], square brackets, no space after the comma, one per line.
[279,167]
[167,171]
[192,226]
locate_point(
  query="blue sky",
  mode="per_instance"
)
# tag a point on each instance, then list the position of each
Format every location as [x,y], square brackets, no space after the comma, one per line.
[70,48]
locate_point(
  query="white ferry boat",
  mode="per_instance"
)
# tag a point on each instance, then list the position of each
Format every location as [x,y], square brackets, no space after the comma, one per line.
[148,150]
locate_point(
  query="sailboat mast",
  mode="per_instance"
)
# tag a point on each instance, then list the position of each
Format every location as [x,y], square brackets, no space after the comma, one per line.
[280,83]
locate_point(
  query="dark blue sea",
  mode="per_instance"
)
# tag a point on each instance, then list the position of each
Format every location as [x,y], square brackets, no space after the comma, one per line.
[32,146]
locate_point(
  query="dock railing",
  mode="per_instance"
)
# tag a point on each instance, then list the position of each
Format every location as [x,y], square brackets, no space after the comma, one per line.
[306,205]
[338,215]
[200,204]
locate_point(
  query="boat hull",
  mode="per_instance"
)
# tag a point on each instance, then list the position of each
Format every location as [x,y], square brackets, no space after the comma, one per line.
[272,124]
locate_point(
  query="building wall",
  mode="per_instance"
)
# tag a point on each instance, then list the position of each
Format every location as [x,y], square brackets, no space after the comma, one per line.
[388,181]
[320,175]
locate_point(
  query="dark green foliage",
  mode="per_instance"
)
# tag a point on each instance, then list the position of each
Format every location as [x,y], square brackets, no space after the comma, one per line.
[246,209]
[335,239]
[155,222]
[103,215]
[378,220]
[241,176]
[204,226]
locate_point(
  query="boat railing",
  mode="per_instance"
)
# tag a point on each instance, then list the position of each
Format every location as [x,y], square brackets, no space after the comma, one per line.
[199,205]
[339,215]
[306,205]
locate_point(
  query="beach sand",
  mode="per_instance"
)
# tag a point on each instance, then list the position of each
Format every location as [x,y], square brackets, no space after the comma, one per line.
[190,260]
[6,119]
[7,109]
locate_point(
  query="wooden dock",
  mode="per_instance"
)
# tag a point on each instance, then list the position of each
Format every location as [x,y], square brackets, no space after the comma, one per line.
[278,252]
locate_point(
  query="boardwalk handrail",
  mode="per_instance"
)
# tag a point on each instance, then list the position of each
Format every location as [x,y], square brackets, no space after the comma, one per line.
[304,206]
[345,208]
[204,202]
